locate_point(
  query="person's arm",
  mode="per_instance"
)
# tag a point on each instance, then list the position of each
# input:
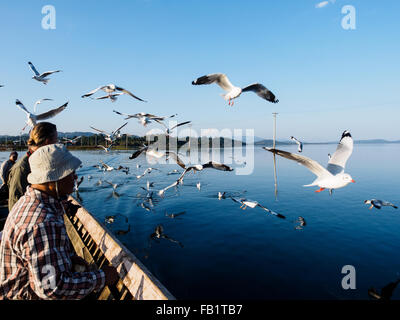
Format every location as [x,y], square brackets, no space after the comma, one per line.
[3,172]
[46,249]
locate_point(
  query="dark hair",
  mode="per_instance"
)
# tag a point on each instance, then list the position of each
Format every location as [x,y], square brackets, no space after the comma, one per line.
[40,133]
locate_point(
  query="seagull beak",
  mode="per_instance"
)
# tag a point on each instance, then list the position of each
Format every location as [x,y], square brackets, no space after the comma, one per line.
[353,181]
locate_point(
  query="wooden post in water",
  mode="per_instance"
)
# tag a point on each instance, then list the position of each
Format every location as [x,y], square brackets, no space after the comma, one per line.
[273,145]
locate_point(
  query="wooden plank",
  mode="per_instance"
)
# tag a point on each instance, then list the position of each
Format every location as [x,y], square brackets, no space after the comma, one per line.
[135,276]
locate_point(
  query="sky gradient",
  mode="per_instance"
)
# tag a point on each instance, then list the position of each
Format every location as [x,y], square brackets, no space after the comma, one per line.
[327,79]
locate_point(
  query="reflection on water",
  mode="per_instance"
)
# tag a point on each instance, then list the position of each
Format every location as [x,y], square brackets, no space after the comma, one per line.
[217,250]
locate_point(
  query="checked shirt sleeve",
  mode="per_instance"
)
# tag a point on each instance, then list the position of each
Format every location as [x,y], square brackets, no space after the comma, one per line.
[47,252]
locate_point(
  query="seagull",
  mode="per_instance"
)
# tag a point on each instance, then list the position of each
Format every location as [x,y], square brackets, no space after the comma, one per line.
[106,149]
[106,167]
[110,89]
[195,168]
[378,204]
[169,130]
[333,177]
[144,118]
[138,153]
[299,143]
[39,102]
[221,195]
[147,171]
[77,184]
[173,172]
[71,141]
[159,233]
[113,185]
[113,135]
[232,91]
[174,215]
[302,223]
[252,204]
[41,77]
[33,118]
[329,156]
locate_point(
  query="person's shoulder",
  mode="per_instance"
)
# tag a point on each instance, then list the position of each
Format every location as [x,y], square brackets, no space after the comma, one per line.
[21,165]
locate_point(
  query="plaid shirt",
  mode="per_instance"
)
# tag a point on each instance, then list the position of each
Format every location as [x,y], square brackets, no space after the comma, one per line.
[35,253]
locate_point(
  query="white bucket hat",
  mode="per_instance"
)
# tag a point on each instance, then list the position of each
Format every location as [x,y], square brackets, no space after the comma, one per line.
[50,163]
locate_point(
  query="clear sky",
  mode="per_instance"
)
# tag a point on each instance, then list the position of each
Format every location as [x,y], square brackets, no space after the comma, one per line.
[327,79]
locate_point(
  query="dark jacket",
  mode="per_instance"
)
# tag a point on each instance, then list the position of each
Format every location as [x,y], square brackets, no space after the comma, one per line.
[18,180]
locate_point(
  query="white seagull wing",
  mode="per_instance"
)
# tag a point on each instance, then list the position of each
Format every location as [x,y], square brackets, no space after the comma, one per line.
[51,113]
[92,92]
[310,164]
[343,152]
[21,106]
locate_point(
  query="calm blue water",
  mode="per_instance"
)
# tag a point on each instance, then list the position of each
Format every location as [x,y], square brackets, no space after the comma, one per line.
[247,254]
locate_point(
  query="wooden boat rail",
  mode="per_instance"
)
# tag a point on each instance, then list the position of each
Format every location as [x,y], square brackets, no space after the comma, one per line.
[97,246]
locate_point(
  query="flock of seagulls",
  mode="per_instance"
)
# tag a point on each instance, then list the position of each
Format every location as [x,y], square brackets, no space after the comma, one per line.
[331,177]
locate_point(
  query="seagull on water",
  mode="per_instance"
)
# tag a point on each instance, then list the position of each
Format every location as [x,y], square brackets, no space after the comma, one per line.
[252,204]
[41,77]
[234,92]
[378,204]
[33,118]
[144,118]
[333,177]
[299,144]
[113,135]
[111,89]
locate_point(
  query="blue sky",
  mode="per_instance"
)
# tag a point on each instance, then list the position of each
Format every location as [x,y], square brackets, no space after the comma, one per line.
[327,79]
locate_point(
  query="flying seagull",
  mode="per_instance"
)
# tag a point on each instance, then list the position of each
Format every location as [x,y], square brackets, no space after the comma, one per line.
[232,91]
[113,135]
[144,118]
[33,118]
[169,130]
[71,141]
[194,168]
[378,204]
[110,89]
[159,233]
[106,149]
[41,77]
[333,177]
[299,144]
[252,204]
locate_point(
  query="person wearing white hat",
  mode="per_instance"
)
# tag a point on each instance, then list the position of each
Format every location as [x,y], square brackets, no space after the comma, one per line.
[36,256]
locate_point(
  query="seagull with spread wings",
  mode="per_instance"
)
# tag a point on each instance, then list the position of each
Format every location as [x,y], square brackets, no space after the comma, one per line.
[233,92]
[252,204]
[333,177]
[144,118]
[71,141]
[32,119]
[112,94]
[113,135]
[194,168]
[41,77]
